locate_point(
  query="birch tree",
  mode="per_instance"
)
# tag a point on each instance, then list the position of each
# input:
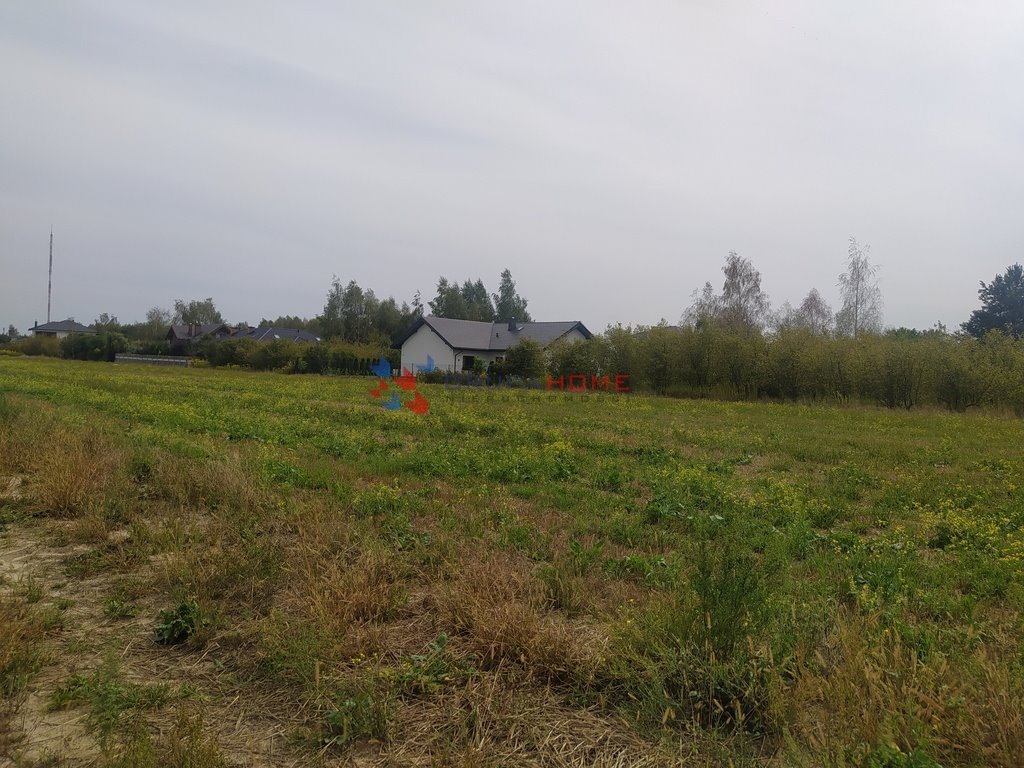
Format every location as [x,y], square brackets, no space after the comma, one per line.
[862,298]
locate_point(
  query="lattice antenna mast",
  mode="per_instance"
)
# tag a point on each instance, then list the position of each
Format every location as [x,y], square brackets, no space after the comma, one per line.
[49,280]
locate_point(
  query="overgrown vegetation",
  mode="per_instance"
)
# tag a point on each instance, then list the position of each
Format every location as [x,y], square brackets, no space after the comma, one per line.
[519,575]
[898,369]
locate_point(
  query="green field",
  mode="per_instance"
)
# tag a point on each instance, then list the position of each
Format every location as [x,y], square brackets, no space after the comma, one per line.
[214,567]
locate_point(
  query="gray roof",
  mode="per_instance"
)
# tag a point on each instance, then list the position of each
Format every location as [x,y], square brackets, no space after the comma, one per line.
[492,337]
[270,334]
[194,331]
[63,326]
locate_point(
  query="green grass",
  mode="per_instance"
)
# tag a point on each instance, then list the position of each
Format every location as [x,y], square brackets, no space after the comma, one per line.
[779,583]
[111,702]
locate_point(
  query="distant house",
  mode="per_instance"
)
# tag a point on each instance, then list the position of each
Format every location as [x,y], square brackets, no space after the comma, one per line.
[457,345]
[180,338]
[60,328]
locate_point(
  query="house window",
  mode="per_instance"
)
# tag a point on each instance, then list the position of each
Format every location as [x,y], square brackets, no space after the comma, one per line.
[467,362]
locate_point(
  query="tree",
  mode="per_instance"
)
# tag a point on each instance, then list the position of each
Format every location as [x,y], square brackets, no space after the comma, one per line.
[389,319]
[357,315]
[358,308]
[449,301]
[106,322]
[814,315]
[862,299]
[704,307]
[293,321]
[159,317]
[1002,305]
[349,312]
[202,312]
[153,329]
[478,301]
[508,304]
[743,304]
[330,318]
[657,353]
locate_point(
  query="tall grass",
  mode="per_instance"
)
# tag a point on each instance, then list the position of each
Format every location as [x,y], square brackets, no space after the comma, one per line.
[778,584]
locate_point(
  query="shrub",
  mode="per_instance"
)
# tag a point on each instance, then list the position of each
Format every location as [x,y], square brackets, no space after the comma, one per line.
[48,346]
[524,359]
[94,346]
[272,355]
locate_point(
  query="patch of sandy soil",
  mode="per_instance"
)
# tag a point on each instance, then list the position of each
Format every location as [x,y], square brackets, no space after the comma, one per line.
[251,727]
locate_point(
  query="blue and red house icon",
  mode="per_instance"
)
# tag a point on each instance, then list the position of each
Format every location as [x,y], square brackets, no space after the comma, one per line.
[404,383]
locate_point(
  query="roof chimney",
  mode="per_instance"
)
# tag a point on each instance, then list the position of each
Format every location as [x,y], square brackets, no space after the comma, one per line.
[512,325]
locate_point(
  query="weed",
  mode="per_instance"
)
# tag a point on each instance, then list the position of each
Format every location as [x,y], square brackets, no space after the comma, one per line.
[428,672]
[111,700]
[583,557]
[357,712]
[644,568]
[733,591]
[31,590]
[117,606]
[176,625]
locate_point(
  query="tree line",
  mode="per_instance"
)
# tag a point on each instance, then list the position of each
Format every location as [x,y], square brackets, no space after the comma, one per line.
[351,314]
[729,343]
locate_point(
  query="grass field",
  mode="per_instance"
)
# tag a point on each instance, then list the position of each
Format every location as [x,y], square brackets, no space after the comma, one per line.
[212,567]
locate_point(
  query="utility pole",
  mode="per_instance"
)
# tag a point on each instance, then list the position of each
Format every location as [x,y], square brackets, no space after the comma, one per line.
[49,280]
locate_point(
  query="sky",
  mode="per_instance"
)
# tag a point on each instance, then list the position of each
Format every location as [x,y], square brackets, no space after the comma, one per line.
[610,155]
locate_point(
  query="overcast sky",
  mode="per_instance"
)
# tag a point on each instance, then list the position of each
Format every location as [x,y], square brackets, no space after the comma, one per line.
[609,154]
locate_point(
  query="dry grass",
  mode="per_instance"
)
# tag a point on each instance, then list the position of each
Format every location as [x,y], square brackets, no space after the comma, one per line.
[500,607]
[498,719]
[221,483]
[338,593]
[90,528]
[20,438]
[866,686]
[331,579]
[225,544]
[71,471]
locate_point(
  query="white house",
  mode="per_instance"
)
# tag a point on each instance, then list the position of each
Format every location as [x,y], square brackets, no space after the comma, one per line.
[456,345]
[60,328]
